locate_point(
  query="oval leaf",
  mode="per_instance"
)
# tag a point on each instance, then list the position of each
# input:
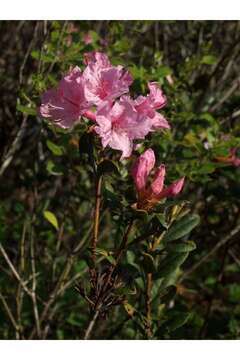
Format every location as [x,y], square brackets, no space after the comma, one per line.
[50,217]
[183,227]
[171,264]
[55,149]
[185,246]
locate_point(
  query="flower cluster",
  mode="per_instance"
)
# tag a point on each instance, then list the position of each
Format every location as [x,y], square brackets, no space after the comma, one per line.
[150,194]
[99,93]
[119,119]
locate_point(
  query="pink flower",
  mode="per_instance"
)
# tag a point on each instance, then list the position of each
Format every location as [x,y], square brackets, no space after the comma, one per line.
[65,104]
[87,38]
[231,158]
[148,105]
[120,124]
[149,195]
[104,82]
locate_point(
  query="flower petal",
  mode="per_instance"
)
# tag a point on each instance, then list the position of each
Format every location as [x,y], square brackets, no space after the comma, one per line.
[174,189]
[156,97]
[158,181]
[141,169]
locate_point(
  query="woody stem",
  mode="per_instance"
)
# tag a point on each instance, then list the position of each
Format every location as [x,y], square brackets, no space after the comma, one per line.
[96,218]
[148,305]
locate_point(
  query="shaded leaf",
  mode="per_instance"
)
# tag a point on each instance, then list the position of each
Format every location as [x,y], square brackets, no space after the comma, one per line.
[26,110]
[107,166]
[182,227]
[185,246]
[171,264]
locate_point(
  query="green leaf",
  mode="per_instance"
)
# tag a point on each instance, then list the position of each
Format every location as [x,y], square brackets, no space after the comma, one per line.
[185,246]
[209,60]
[26,110]
[177,320]
[162,220]
[50,217]
[35,54]
[53,169]
[129,309]
[163,71]
[107,255]
[168,294]
[55,149]
[207,168]
[171,264]
[182,227]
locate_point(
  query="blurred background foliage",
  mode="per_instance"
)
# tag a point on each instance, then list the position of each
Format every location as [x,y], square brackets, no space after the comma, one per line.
[47,193]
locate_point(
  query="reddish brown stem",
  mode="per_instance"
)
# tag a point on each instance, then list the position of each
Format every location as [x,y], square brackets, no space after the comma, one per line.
[96,218]
[148,305]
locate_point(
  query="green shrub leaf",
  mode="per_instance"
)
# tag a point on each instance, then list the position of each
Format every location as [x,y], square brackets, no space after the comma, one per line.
[50,217]
[182,227]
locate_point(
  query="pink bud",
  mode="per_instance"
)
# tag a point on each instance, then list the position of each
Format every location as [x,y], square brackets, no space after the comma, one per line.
[142,168]
[174,189]
[158,181]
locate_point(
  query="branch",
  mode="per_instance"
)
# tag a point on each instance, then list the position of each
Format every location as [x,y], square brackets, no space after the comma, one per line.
[96,218]
[211,252]
[226,96]
[34,285]
[91,325]
[61,286]
[148,305]
[9,313]
[14,271]
[14,147]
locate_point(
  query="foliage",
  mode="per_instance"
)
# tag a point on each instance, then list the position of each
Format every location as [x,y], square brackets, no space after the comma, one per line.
[49,189]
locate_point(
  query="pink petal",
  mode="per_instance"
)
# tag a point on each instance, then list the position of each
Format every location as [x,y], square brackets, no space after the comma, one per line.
[104,82]
[141,169]
[159,122]
[120,141]
[59,111]
[143,106]
[156,97]
[158,181]
[64,105]
[121,121]
[136,125]
[174,189]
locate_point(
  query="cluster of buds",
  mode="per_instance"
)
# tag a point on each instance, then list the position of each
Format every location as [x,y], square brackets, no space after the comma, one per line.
[149,194]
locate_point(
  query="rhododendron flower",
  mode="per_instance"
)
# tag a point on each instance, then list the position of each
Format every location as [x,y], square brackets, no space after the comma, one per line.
[148,105]
[120,124]
[151,194]
[65,104]
[104,82]
[231,158]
